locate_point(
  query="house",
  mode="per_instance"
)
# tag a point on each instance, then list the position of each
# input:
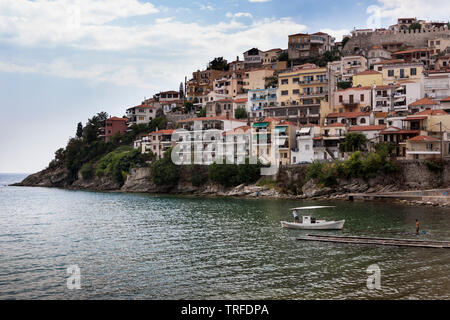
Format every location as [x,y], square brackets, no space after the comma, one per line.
[377,54]
[404,71]
[299,46]
[368,78]
[202,83]
[353,99]
[142,114]
[424,104]
[199,139]
[285,140]
[259,100]
[445,104]
[378,66]
[304,151]
[171,106]
[256,78]
[300,93]
[442,62]
[253,57]
[270,57]
[168,96]
[437,84]
[348,118]
[220,108]
[419,55]
[263,139]
[398,137]
[237,144]
[158,142]
[423,148]
[114,125]
[231,84]
[327,145]
[321,42]
[347,67]
[372,132]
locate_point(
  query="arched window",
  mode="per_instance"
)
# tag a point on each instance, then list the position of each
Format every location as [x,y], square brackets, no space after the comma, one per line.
[363,120]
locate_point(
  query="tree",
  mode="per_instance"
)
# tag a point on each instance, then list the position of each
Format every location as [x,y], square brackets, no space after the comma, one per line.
[165,172]
[158,123]
[415,26]
[344,41]
[181,89]
[240,113]
[79,130]
[219,64]
[283,57]
[353,142]
[188,107]
[202,113]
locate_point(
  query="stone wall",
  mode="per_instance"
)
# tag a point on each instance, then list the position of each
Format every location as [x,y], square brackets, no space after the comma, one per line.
[414,38]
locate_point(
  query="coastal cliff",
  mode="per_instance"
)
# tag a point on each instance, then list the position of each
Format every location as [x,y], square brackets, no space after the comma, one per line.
[290,182]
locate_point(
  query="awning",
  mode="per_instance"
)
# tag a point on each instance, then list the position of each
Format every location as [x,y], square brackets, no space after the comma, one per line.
[415,118]
[261,125]
[281,129]
[305,130]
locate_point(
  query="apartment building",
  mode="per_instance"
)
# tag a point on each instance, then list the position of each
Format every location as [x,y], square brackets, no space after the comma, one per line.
[419,55]
[304,150]
[437,84]
[270,57]
[157,142]
[424,104]
[326,146]
[142,114]
[368,78]
[300,93]
[377,54]
[113,126]
[259,100]
[256,78]
[353,99]
[231,83]
[400,72]
[347,67]
[299,46]
[202,83]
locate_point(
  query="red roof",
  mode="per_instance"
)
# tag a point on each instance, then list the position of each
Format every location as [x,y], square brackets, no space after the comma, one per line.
[117,119]
[393,61]
[210,119]
[446,99]
[367,72]
[225,100]
[367,128]
[423,139]
[432,113]
[162,132]
[411,51]
[240,100]
[349,115]
[415,118]
[336,124]
[239,130]
[424,102]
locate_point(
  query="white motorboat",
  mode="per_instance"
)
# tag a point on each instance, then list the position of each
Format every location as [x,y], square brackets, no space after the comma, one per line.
[310,223]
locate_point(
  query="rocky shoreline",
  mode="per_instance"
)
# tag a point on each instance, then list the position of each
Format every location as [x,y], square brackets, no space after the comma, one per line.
[139,181]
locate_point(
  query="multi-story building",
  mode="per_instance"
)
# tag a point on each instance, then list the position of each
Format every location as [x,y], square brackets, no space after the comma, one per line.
[400,72]
[220,108]
[253,58]
[270,57]
[420,55]
[377,54]
[286,141]
[114,125]
[437,84]
[347,67]
[300,93]
[202,83]
[299,46]
[372,132]
[304,151]
[169,96]
[396,97]
[326,146]
[157,142]
[348,118]
[424,104]
[423,148]
[320,43]
[368,78]
[259,100]
[142,114]
[353,99]
[237,144]
[439,44]
[256,78]
[200,138]
[442,63]
[231,83]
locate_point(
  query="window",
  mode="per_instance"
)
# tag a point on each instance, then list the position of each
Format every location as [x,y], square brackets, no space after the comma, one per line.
[363,120]
[296,91]
[284,92]
[284,81]
[341,98]
[413,71]
[390,73]
[295,80]
[307,147]
[362,98]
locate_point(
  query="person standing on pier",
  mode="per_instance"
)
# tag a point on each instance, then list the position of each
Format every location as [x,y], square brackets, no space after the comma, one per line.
[417,226]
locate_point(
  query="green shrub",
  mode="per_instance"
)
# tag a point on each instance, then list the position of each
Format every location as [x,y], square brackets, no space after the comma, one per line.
[229,175]
[435,166]
[314,170]
[197,175]
[87,171]
[165,172]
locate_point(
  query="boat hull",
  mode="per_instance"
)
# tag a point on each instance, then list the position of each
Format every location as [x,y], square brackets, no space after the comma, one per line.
[329,225]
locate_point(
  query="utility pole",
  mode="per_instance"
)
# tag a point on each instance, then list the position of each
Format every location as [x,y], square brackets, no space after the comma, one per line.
[442,141]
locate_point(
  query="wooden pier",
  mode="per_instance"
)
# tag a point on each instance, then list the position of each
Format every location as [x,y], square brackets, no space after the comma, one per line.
[378,241]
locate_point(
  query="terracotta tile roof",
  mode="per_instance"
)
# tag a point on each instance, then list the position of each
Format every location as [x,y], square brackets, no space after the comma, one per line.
[446,99]
[117,119]
[240,100]
[381,114]
[162,132]
[424,102]
[367,72]
[225,100]
[355,88]
[336,124]
[367,128]
[423,139]
[432,113]
[238,130]
[210,119]
[349,115]
[271,50]
[411,51]
[393,61]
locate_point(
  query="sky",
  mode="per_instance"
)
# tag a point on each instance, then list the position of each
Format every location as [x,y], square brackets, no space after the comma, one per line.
[62,61]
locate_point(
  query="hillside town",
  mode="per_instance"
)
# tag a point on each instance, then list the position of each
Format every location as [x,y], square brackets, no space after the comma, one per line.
[390,85]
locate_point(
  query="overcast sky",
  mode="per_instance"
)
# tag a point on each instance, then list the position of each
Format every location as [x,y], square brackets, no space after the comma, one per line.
[61,61]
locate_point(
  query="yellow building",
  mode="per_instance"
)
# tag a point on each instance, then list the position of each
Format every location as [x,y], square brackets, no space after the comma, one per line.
[256,78]
[400,72]
[368,79]
[301,91]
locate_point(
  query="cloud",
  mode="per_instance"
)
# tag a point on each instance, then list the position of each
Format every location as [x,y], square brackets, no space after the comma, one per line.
[387,11]
[259,0]
[338,34]
[157,54]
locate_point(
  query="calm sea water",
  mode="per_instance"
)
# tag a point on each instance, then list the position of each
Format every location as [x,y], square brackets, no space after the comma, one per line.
[135,246]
